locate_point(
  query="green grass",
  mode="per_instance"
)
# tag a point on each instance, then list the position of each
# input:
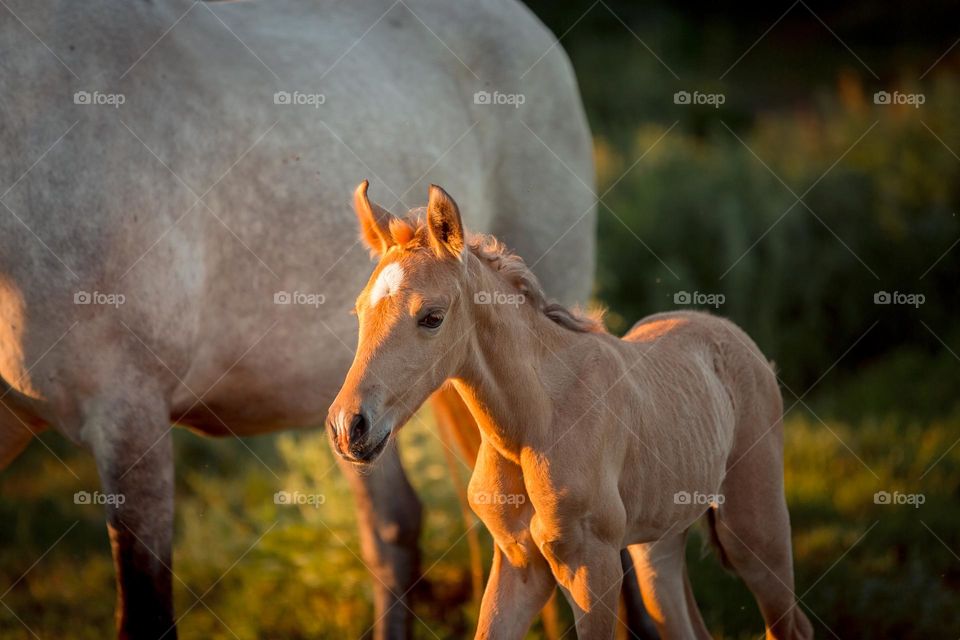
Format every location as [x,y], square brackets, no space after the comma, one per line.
[864,570]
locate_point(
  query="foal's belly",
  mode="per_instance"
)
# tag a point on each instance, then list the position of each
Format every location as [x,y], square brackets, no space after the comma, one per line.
[672,507]
[667,492]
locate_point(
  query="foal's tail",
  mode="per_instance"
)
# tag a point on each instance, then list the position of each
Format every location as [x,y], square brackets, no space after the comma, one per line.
[714,540]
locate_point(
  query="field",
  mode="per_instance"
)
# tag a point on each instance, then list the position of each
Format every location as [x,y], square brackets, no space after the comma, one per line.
[264,570]
[796,206]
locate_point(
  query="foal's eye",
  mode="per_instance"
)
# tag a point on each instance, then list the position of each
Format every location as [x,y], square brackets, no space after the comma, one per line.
[431,320]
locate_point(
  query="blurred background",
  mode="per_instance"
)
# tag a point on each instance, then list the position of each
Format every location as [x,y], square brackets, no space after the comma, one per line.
[795,167]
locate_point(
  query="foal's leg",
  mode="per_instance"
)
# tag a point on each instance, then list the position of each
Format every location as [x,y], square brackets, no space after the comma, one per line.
[579,532]
[514,595]
[639,624]
[389,518]
[591,575]
[661,572]
[753,528]
[132,444]
[455,422]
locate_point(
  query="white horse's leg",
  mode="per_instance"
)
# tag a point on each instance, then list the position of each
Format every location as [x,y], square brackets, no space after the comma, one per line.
[661,572]
[14,435]
[389,517]
[131,441]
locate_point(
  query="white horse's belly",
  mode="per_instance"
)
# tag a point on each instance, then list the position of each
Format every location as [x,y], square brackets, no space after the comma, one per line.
[275,215]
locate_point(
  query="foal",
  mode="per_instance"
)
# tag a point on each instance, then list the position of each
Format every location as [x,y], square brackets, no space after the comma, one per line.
[590,443]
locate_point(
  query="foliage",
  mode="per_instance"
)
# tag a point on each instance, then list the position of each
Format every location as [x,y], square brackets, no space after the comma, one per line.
[711,215]
[273,571]
[695,200]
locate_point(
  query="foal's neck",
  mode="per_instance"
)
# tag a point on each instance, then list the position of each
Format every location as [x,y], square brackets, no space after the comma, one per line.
[506,381]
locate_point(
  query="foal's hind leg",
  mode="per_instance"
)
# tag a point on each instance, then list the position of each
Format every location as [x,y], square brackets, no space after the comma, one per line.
[131,441]
[661,572]
[753,529]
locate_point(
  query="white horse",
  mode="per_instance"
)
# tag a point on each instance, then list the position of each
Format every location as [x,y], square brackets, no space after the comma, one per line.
[173,169]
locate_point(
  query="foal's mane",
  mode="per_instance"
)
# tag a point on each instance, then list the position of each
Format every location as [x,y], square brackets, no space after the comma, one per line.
[411,233]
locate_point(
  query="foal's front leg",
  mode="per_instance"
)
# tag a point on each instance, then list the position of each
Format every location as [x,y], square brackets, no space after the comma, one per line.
[591,576]
[579,527]
[516,591]
[520,580]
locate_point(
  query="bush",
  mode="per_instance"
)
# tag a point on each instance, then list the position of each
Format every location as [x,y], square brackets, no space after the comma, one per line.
[879,214]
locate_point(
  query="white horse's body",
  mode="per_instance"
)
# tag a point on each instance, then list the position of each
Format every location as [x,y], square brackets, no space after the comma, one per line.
[105,200]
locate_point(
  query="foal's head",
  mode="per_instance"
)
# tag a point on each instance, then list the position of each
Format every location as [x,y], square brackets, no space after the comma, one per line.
[410,321]
[423,314]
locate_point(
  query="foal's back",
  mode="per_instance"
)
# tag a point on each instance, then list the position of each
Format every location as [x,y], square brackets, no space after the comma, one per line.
[677,345]
[718,342]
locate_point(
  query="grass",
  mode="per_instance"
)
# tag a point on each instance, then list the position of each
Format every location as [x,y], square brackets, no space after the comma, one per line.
[263,570]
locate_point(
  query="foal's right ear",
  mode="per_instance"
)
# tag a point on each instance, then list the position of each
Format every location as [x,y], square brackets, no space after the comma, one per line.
[444,224]
[374,222]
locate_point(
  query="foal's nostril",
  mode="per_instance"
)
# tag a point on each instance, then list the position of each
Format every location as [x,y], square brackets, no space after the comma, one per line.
[358,427]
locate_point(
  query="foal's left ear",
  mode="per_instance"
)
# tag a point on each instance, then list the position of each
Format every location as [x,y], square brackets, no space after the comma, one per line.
[444,224]
[374,222]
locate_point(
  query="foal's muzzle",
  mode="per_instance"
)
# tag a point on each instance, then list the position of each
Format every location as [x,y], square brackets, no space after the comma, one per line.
[353,438]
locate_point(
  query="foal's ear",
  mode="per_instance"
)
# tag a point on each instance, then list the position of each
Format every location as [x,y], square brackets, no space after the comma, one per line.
[444,224]
[374,222]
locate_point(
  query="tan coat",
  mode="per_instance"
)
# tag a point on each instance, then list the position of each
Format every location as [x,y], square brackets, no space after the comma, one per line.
[590,443]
